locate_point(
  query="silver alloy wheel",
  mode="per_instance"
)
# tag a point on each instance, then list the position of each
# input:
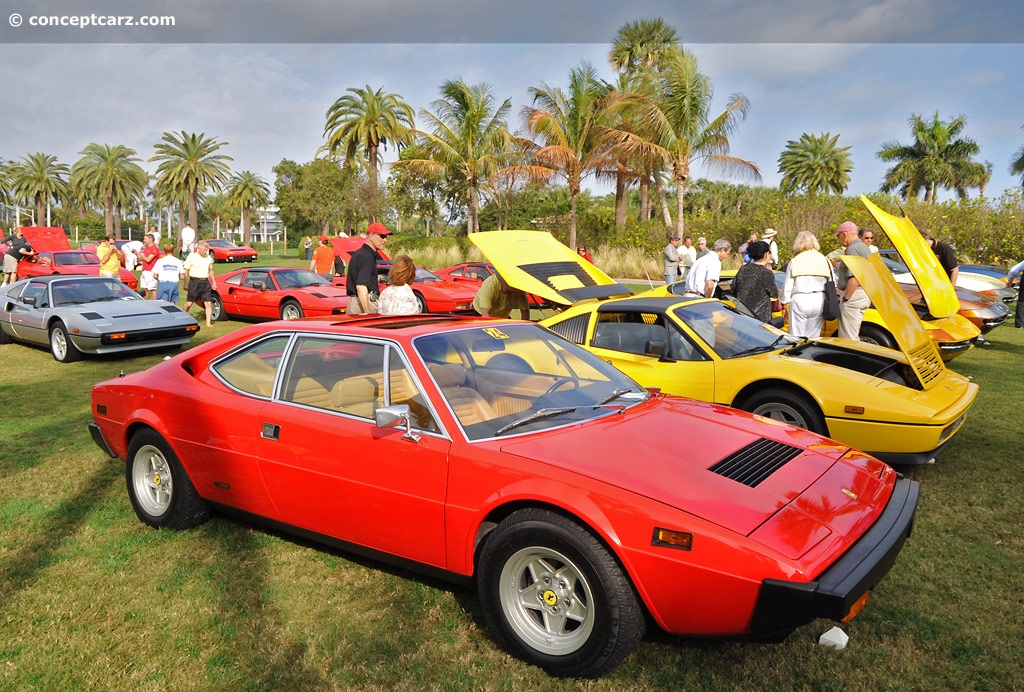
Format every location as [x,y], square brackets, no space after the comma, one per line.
[291,311]
[780,411]
[59,343]
[152,480]
[547,600]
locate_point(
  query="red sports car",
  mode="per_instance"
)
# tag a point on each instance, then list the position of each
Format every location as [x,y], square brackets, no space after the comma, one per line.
[275,293]
[497,453]
[476,273]
[433,293]
[70,262]
[226,251]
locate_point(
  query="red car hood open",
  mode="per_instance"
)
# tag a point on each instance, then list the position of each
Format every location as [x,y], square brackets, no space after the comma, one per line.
[652,457]
[45,238]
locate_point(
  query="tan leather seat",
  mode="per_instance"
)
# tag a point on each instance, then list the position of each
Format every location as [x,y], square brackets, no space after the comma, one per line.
[469,406]
[310,392]
[356,395]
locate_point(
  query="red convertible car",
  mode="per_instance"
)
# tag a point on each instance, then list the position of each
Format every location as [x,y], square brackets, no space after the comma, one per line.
[226,251]
[497,453]
[275,293]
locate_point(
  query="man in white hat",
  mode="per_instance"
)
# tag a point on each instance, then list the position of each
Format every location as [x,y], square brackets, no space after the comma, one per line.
[773,248]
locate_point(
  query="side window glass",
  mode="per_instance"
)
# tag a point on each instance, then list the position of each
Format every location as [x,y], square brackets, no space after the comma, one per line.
[336,375]
[402,390]
[254,369]
[37,291]
[252,278]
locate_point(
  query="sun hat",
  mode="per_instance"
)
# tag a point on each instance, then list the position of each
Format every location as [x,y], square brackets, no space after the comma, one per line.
[768,233]
[378,228]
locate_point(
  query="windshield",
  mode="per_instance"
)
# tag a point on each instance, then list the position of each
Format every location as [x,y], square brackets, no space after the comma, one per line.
[730,334]
[78,291]
[64,259]
[514,378]
[423,275]
[297,278]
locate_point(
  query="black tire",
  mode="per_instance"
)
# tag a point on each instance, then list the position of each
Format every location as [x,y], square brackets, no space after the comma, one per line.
[5,337]
[160,491]
[61,346]
[873,334]
[555,597]
[291,310]
[421,301]
[787,406]
[217,311]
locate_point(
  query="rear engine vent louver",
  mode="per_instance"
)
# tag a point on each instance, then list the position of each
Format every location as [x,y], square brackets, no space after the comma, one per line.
[754,463]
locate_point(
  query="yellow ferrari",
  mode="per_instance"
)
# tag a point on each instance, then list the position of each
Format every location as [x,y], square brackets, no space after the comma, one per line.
[901,406]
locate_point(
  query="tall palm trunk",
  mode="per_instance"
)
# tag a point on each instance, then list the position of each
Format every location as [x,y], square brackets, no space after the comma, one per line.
[621,200]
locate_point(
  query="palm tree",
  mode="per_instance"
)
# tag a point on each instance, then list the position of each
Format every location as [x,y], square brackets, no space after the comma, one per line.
[38,179]
[1017,164]
[247,190]
[469,139]
[641,45]
[639,50]
[188,166]
[364,122]
[569,125]
[107,172]
[815,164]
[676,125]
[937,158]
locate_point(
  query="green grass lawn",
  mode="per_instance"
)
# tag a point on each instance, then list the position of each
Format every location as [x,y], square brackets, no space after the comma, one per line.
[92,598]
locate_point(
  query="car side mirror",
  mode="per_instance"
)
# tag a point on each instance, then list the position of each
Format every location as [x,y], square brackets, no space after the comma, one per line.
[657,349]
[29,300]
[259,285]
[393,417]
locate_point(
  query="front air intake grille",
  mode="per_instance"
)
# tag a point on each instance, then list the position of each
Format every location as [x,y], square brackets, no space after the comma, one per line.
[754,463]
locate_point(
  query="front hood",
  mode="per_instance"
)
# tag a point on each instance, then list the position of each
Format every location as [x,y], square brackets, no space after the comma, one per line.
[922,262]
[322,291]
[142,310]
[891,303]
[534,262]
[45,238]
[712,479]
[450,290]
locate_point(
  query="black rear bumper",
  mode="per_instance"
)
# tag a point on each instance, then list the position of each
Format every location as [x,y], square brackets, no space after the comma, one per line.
[782,606]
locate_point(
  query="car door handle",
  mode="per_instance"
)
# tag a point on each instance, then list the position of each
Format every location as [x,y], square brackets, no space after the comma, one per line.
[270,431]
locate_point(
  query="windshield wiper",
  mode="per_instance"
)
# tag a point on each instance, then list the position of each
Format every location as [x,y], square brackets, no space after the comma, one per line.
[535,416]
[763,348]
[614,395]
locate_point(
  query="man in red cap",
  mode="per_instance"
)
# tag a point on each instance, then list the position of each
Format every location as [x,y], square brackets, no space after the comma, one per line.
[323,260]
[361,284]
[853,300]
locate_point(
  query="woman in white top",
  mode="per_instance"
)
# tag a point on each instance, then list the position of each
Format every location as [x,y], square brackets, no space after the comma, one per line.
[397,298]
[803,293]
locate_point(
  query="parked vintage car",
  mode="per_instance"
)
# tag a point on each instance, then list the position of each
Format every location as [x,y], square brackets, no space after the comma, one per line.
[226,251]
[497,453]
[901,406]
[56,257]
[991,286]
[84,262]
[272,293]
[89,314]
[476,273]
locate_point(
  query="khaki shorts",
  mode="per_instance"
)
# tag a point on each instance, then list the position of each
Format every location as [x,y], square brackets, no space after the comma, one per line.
[356,308]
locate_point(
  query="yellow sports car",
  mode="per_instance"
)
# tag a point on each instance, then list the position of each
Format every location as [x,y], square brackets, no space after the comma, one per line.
[901,406]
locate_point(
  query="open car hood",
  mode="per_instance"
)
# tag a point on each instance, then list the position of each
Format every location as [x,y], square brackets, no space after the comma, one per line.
[935,285]
[889,299]
[534,262]
[46,238]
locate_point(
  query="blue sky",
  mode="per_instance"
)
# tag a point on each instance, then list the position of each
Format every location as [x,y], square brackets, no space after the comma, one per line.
[859,70]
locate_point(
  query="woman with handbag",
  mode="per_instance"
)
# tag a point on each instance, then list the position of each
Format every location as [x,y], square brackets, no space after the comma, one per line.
[803,292]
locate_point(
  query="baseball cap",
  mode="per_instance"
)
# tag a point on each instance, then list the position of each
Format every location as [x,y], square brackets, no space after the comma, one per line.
[323,238]
[846,227]
[378,228]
